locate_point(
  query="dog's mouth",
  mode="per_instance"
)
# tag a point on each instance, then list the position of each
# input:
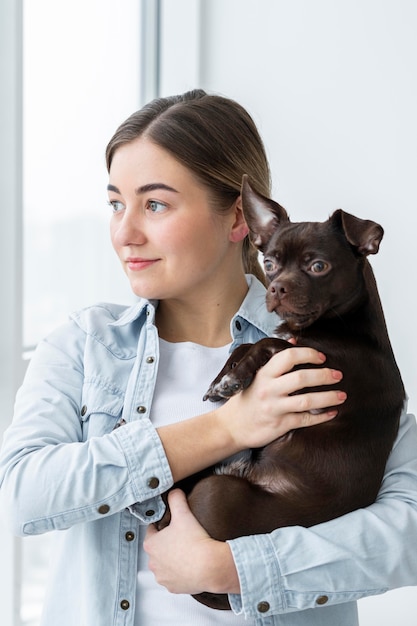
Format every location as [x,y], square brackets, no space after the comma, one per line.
[295,320]
[298,312]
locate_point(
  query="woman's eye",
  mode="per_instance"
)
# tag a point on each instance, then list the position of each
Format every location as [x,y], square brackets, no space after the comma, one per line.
[116,205]
[156,207]
[319,267]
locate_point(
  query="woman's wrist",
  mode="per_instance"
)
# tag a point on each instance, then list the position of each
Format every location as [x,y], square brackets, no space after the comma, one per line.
[219,569]
[198,442]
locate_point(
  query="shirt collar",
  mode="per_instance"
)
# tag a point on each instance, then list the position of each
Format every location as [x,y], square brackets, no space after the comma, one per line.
[133,312]
[253,309]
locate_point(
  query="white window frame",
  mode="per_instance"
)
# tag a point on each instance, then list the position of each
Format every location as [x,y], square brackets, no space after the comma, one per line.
[11,362]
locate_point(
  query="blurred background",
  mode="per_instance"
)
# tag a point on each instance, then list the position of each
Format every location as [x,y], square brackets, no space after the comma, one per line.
[332,86]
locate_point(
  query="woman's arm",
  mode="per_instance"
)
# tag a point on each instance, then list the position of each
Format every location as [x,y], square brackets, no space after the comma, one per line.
[51,477]
[54,474]
[363,553]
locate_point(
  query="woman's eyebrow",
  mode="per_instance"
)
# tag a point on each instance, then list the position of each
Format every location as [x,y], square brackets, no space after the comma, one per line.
[153,187]
[144,188]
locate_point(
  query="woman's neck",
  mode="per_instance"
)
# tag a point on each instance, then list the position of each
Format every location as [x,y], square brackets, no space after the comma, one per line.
[205,321]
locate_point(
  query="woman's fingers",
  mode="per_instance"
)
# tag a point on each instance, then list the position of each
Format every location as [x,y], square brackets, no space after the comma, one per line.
[319,415]
[305,378]
[284,362]
[309,407]
[314,401]
[303,405]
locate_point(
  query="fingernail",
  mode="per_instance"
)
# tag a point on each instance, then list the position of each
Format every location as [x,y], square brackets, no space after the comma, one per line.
[341,395]
[337,375]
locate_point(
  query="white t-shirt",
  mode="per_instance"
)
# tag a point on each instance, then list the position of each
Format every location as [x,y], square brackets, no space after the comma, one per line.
[185,372]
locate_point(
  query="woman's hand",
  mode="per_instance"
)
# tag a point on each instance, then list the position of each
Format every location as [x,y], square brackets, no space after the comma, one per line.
[267,410]
[184,559]
[256,416]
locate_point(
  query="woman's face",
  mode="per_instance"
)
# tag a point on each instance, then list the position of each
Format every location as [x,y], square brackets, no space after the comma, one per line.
[169,240]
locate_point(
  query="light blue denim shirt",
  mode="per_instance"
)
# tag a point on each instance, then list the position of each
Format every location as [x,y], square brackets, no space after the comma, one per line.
[64,466]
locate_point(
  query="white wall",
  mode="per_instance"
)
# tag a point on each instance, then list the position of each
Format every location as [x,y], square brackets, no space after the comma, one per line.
[332,86]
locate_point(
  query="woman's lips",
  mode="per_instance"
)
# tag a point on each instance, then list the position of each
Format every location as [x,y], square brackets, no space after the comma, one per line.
[136,264]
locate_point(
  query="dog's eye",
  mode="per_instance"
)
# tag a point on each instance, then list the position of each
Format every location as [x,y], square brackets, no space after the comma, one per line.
[319,267]
[269,265]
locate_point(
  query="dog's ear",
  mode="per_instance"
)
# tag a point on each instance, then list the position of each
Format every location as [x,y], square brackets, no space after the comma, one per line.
[263,216]
[364,235]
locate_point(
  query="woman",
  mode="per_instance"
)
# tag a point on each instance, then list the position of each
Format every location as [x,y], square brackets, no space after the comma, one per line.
[110,414]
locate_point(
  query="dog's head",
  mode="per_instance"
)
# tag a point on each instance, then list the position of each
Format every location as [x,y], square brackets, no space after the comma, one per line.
[314,269]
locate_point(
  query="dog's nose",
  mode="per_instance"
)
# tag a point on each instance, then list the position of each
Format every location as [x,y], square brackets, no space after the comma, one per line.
[278,290]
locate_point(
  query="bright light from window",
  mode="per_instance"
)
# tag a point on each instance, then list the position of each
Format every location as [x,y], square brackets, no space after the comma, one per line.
[81,80]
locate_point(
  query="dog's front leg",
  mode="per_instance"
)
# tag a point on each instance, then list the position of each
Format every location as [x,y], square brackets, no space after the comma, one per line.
[216,392]
[241,367]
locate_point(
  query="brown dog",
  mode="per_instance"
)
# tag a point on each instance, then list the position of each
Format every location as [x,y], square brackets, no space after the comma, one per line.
[322,287]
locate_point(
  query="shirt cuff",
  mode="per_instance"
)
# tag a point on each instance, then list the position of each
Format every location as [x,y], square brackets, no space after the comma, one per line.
[259,576]
[148,467]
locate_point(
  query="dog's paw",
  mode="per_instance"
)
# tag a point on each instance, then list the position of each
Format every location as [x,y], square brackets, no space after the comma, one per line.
[226,387]
[237,374]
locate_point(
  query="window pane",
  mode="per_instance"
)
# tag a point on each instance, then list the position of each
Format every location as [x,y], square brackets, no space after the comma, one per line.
[81,79]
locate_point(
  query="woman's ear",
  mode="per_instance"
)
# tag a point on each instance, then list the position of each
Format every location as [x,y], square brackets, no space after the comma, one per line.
[239,228]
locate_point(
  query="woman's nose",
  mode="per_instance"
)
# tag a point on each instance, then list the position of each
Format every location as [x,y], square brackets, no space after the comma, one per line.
[127,229]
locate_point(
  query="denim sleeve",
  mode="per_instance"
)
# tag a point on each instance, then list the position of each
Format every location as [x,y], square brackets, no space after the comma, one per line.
[360,554]
[51,475]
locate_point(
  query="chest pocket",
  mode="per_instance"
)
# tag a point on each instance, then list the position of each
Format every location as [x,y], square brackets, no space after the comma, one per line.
[101,408]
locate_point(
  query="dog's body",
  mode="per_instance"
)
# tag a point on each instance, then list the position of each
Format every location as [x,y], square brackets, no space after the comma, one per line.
[322,286]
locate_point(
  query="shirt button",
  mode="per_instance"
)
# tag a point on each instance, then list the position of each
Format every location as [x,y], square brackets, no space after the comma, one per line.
[150,359]
[129,536]
[322,600]
[150,512]
[263,607]
[153,482]
[238,325]
[121,422]
[141,409]
[83,410]
[125,604]
[103,509]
